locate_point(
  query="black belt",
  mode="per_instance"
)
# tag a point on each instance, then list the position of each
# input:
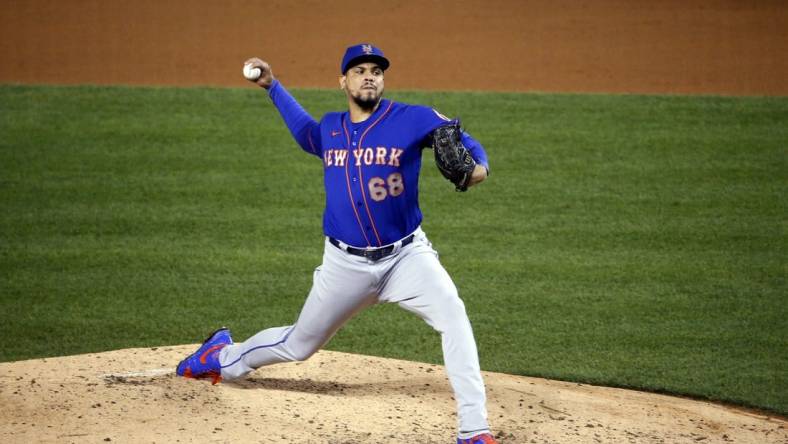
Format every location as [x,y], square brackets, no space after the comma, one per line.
[373,254]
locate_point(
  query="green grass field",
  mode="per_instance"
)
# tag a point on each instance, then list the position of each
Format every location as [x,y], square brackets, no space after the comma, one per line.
[633,241]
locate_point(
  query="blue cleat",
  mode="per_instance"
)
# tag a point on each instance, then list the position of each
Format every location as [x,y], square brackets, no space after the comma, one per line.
[484,438]
[204,363]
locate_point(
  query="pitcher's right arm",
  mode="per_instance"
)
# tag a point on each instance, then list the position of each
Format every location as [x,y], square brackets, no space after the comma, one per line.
[305,130]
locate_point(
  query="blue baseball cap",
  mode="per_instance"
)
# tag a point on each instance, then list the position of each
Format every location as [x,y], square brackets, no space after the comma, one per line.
[361,53]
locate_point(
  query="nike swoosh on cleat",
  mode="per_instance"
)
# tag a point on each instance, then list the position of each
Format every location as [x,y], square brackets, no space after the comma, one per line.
[204,356]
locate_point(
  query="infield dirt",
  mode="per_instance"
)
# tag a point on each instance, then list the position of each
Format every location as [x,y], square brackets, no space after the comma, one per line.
[134,396]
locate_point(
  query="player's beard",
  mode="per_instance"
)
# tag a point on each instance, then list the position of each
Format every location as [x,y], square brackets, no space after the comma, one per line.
[367,102]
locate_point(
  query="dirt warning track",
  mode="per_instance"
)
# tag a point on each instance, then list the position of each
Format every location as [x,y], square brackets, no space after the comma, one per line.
[134,396]
[624,46]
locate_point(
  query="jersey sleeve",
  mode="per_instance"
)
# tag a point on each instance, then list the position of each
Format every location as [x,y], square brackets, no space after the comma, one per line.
[476,149]
[305,130]
[432,119]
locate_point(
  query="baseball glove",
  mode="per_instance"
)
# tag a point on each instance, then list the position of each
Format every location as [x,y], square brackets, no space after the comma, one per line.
[453,159]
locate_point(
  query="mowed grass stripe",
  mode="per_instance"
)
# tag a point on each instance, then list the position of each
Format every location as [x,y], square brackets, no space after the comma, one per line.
[634,241]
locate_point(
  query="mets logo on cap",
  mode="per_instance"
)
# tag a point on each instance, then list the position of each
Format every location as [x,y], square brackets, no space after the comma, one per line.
[363,52]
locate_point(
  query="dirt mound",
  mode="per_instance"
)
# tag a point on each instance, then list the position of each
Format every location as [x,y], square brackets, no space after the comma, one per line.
[134,396]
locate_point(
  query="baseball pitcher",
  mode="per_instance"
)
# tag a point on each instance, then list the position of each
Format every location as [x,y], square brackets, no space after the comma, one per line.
[375,250]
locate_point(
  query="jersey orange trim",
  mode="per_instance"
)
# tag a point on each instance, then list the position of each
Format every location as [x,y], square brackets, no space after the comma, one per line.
[349,190]
[361,177]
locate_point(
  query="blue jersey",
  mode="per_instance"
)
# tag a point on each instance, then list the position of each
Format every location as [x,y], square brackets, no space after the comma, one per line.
[371,168]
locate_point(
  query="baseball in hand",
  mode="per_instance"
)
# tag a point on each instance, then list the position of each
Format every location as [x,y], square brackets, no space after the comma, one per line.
[252,73]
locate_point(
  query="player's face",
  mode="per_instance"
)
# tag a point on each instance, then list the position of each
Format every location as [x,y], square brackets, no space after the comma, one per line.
[363,84]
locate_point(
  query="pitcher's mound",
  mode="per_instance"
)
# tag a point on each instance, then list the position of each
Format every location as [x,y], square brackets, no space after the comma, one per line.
[134,396]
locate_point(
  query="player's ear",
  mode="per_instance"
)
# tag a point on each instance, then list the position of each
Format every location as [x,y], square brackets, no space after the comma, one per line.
[342,82]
